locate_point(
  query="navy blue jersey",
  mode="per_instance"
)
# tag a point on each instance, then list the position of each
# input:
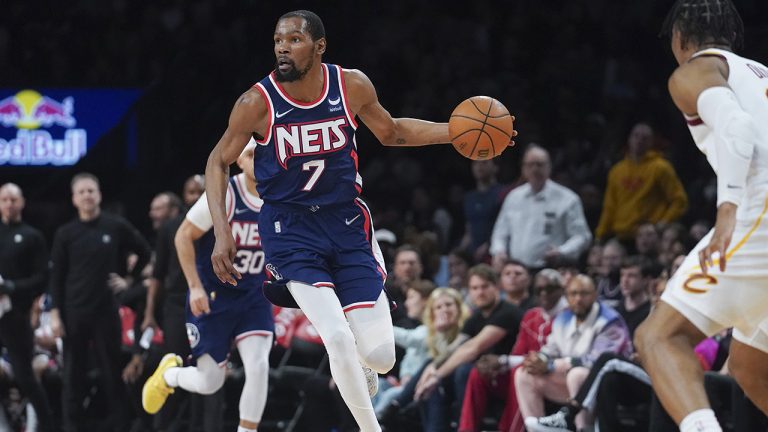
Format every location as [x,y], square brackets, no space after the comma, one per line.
[309,154]
[243,217]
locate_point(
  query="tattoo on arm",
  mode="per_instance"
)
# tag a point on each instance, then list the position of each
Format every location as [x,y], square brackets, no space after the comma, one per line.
[401,141]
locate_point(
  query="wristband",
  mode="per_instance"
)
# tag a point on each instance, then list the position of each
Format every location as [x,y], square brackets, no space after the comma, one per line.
[504,360]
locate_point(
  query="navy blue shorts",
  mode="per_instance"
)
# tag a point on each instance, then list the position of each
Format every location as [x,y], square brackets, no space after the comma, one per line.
[235,314]
[331,247]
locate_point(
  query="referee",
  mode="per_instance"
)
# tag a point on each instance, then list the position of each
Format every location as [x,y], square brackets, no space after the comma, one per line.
[85,251]
[23,275]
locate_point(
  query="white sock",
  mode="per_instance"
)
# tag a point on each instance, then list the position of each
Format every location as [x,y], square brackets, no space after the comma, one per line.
[702,420]
[171,376]
[245,429]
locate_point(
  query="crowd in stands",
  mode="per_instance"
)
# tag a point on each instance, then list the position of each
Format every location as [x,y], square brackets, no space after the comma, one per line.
[519,281]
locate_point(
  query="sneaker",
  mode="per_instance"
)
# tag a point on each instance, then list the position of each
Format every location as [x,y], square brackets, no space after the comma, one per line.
[156,390]
[557,422]
[372,379]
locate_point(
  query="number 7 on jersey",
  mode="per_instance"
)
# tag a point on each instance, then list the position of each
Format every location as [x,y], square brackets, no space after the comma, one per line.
[318,166]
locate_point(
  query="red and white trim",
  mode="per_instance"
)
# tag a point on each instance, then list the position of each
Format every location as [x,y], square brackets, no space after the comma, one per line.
[343,88]
[693,120]
[359,305]
[368,226]
[297,103]
[271,109]
[324,285]
[242,336]
[231,202]
[254,203]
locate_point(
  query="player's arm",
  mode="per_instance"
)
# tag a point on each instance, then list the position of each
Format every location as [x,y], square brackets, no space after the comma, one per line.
[701,87]
[197,222]
[390,131]
[248,116]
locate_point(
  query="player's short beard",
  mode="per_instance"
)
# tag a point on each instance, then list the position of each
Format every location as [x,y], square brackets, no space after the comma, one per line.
[293,74]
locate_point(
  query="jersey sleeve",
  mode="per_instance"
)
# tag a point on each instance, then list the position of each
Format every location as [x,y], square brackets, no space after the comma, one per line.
[200,213]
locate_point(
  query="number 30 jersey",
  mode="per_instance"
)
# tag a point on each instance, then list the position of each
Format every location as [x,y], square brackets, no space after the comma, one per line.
[308,156]
[243,210]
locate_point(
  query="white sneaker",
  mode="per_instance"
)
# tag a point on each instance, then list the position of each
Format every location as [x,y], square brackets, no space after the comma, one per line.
[372,379]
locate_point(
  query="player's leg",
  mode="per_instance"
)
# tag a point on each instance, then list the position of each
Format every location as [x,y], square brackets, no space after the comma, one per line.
[749,365]
[254,351]
[372,327]
[323,309]
[665,342]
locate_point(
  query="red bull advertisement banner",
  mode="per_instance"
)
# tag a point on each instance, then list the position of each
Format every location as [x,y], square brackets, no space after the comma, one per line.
[56,127]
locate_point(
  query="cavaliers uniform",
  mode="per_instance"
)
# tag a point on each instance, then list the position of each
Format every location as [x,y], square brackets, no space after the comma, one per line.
[738,297]
[236,311]
[316,230]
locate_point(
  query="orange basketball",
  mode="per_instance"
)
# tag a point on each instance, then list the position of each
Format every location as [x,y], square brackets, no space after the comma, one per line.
[480,128]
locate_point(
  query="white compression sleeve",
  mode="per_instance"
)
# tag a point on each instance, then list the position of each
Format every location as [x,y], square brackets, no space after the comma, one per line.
[323,309]
[374,335]
[254,351]
[205,378]
[736,136]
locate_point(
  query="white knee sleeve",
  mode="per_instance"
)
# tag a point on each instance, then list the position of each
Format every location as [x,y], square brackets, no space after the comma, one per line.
[373,332]
[254,351]
[205,378]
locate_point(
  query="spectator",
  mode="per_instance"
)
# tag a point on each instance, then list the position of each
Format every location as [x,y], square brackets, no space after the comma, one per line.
[23,276]
[193,188]
[481,206]
[493,327]
[609,275]
[539,221]
[643,187]
[515,282]
[85,251]
[647,241]
[636,277]
[164,206]
[580,334]
[407,268]
[493,374]
[387,243]
[459,262]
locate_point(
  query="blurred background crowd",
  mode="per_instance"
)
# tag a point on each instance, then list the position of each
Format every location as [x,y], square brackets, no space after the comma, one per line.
[602,196]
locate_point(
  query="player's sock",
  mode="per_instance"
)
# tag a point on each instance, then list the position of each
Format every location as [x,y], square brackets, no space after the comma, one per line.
[245,429]
[171,376]
[702,420]
[254,351]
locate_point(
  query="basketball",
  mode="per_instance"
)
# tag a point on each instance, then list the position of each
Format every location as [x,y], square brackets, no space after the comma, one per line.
[480,128]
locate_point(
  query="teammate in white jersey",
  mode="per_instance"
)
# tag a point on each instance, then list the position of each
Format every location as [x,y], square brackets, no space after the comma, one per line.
[724,281]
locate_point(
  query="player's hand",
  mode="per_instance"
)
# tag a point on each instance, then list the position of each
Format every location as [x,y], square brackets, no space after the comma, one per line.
[198,302]
[721,238]
[514,133]
[223,257]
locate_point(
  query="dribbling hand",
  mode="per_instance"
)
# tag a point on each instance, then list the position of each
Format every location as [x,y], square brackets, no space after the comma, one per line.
[222,259]
[721,238]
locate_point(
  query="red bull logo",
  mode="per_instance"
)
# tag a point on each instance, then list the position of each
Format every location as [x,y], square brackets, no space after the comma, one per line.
[28,111]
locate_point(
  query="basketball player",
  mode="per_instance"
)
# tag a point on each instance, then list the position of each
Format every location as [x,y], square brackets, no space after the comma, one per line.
[723,281]
[317,232]
[219,313]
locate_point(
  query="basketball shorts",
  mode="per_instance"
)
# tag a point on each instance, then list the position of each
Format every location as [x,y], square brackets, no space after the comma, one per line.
[329,248]
[235,315]
[735,298]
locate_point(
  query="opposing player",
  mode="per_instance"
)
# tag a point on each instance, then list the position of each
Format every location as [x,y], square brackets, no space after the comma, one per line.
[723,281]
[317,232]
[219,313]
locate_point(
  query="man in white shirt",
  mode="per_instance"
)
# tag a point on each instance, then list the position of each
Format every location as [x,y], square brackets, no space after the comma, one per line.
[540,221]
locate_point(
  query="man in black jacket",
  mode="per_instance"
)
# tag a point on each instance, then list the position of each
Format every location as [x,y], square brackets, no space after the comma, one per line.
[23,275]
[85,251]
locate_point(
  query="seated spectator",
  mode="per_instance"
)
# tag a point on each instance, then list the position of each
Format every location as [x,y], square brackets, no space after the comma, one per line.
[609,274]
[580,334]
[459,262]
[413,340]
[515,283]
[493,374]
[407,268]
[636,277]
[492,328]
[674,241]
[647,240]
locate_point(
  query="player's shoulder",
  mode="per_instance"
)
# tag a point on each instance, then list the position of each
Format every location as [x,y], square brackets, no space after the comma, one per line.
[355,79]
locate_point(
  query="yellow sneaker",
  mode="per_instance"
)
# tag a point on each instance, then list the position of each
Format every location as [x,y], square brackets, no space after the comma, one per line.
[156,390]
